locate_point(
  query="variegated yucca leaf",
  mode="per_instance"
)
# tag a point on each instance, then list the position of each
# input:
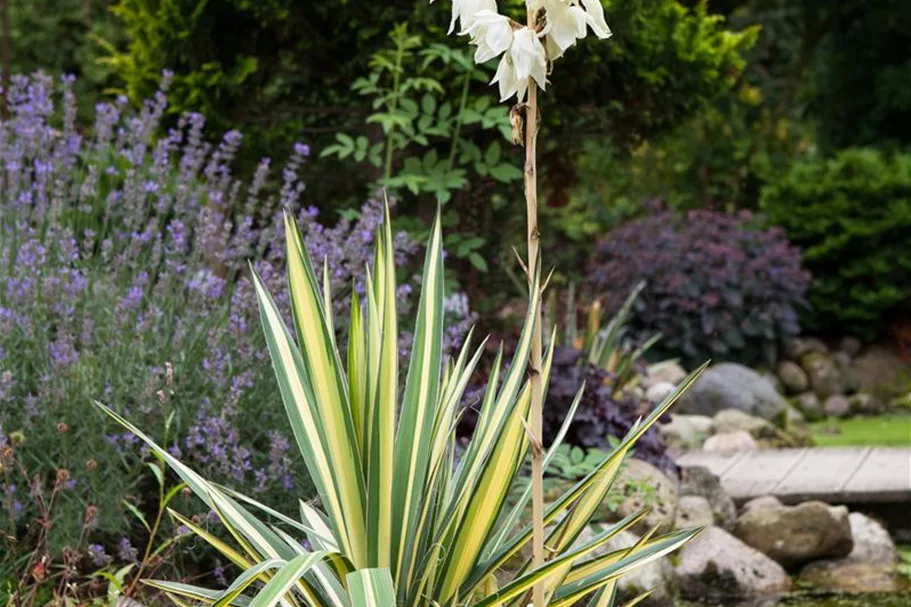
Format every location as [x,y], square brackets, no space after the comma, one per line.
[404,521]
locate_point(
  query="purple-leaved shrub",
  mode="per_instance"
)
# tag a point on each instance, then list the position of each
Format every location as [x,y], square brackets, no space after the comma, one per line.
[718,285]
[123,278]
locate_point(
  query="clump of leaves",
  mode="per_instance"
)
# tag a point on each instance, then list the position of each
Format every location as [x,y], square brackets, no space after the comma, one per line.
[423,148]
[719,285]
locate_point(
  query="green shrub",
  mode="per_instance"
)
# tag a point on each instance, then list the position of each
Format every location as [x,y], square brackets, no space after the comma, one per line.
[852,216]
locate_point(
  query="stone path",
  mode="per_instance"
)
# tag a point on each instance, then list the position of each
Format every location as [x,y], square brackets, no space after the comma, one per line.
[843,475]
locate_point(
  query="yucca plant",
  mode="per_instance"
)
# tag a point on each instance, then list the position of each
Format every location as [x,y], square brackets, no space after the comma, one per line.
[403,521]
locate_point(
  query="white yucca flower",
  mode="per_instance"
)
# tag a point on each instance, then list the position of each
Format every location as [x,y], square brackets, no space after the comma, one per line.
[491,32]
[526,59]
[524,55]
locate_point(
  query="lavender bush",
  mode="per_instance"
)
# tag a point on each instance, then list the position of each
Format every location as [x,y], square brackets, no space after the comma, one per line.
[718,285]
[123,252]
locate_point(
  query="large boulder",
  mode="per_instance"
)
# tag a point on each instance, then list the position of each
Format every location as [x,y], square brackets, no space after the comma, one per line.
[727,443]
[699,481]
[732,420]
[661,498]
[870,567]
[792,377]
[732,386]
[658,574]
[797,535]
[824,373]
[882,373]
[717,567]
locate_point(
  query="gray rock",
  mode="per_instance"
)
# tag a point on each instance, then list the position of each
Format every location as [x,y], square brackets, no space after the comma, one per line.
[669,372]
[850,346]
[863,404]
[837,405]
[734,441]
[717,567]
[699,481]
[758,503]
[686,431]
[732,386]
[694,511]
[802,345]
[871,566]
[796,535]
[824,373]
[882,373]
[662,498]
[849,379]
[656,393]
[772,378]
[810,405]
[842,359]
[872,543]
[731,420]
[658,574]
[793,416]
[792,377]
[849,577]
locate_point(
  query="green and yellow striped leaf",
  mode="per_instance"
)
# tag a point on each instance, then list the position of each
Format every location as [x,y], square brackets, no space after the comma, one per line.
[371,588]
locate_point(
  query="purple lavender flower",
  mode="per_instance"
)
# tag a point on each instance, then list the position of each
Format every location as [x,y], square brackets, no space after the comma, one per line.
[126,552]
[127,249]
[98,556]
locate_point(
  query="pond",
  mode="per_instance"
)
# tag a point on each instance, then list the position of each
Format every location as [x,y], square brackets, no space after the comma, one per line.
[809,600]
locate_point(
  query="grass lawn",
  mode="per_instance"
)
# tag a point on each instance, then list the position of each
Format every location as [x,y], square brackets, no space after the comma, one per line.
[892,430]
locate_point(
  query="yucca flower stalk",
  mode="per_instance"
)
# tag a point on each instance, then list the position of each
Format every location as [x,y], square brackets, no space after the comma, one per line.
[401,521]
[525,64]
